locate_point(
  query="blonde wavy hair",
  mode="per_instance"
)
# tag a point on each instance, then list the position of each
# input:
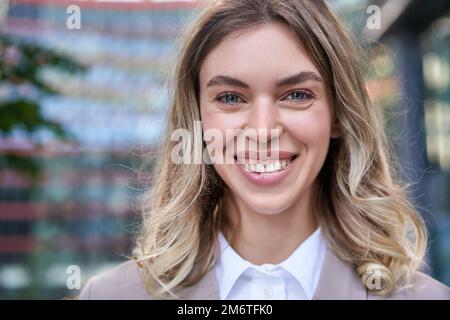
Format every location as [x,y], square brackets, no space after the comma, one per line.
[364,214]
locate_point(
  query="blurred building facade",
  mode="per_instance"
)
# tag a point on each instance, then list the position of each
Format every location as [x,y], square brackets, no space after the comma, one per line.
[82,212]
[416,64]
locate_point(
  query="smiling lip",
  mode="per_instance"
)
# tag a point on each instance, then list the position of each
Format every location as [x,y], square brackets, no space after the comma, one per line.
[267,179]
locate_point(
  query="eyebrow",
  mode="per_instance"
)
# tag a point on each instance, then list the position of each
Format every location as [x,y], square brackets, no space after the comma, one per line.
[291,80]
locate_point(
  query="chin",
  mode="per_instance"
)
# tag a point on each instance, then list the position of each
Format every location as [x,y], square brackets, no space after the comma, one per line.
[269,204]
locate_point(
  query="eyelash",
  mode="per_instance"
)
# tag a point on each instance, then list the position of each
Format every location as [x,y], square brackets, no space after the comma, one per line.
[220,96]
[308,96]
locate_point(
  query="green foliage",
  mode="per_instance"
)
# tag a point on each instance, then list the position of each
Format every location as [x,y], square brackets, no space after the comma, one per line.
[25,114]
[20,64]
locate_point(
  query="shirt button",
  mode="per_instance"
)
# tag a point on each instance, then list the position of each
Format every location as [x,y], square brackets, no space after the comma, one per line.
[268,293]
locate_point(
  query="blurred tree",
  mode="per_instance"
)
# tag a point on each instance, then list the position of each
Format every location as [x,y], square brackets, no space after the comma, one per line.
[20,91]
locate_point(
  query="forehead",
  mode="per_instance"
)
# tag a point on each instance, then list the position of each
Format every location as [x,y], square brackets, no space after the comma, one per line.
[265,51]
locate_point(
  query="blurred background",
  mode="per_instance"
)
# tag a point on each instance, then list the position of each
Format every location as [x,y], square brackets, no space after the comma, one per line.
[82,101]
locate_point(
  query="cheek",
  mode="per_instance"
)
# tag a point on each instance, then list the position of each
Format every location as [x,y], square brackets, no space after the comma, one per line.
[312,129]
[225,123]
[218,121]
[221,123]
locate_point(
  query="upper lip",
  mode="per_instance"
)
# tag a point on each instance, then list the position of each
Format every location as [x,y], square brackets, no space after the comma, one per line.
[266,155]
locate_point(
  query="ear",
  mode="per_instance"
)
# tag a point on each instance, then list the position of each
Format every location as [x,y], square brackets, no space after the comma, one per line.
[336,131]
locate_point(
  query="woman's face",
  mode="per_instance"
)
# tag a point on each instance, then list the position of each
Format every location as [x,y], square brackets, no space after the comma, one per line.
[260,79]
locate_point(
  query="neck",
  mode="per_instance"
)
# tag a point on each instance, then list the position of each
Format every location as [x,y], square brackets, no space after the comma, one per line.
[268,238]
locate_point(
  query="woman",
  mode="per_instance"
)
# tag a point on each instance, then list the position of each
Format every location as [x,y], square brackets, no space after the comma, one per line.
[313,212]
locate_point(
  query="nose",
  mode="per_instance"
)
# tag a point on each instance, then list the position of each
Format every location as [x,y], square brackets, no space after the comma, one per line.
[265,120]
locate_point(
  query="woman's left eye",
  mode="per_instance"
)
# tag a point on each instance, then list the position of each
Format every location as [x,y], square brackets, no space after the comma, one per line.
[299,96]
[229,98]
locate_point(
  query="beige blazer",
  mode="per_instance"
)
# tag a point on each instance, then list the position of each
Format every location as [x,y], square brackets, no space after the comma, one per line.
[338,280]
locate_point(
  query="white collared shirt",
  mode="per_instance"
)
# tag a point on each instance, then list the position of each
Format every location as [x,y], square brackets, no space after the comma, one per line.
[295,278]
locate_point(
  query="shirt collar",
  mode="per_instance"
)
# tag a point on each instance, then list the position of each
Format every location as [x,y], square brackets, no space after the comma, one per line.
[304,264]
[230,267]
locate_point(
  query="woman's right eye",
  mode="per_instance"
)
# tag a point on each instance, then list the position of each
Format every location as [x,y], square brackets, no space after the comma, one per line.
[229,98]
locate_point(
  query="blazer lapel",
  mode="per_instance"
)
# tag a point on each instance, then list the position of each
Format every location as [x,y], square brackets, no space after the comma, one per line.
[338,280]
[205,289]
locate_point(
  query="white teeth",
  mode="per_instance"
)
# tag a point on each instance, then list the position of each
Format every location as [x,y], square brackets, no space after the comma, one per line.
[260,167]
[267,166]
[277,165]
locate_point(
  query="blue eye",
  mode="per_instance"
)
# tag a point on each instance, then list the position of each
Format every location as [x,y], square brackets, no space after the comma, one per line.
[299,96]
[229,98]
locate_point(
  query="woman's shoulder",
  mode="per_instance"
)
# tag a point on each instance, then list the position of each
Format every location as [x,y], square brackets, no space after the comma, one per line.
[122,282]
[422,287]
